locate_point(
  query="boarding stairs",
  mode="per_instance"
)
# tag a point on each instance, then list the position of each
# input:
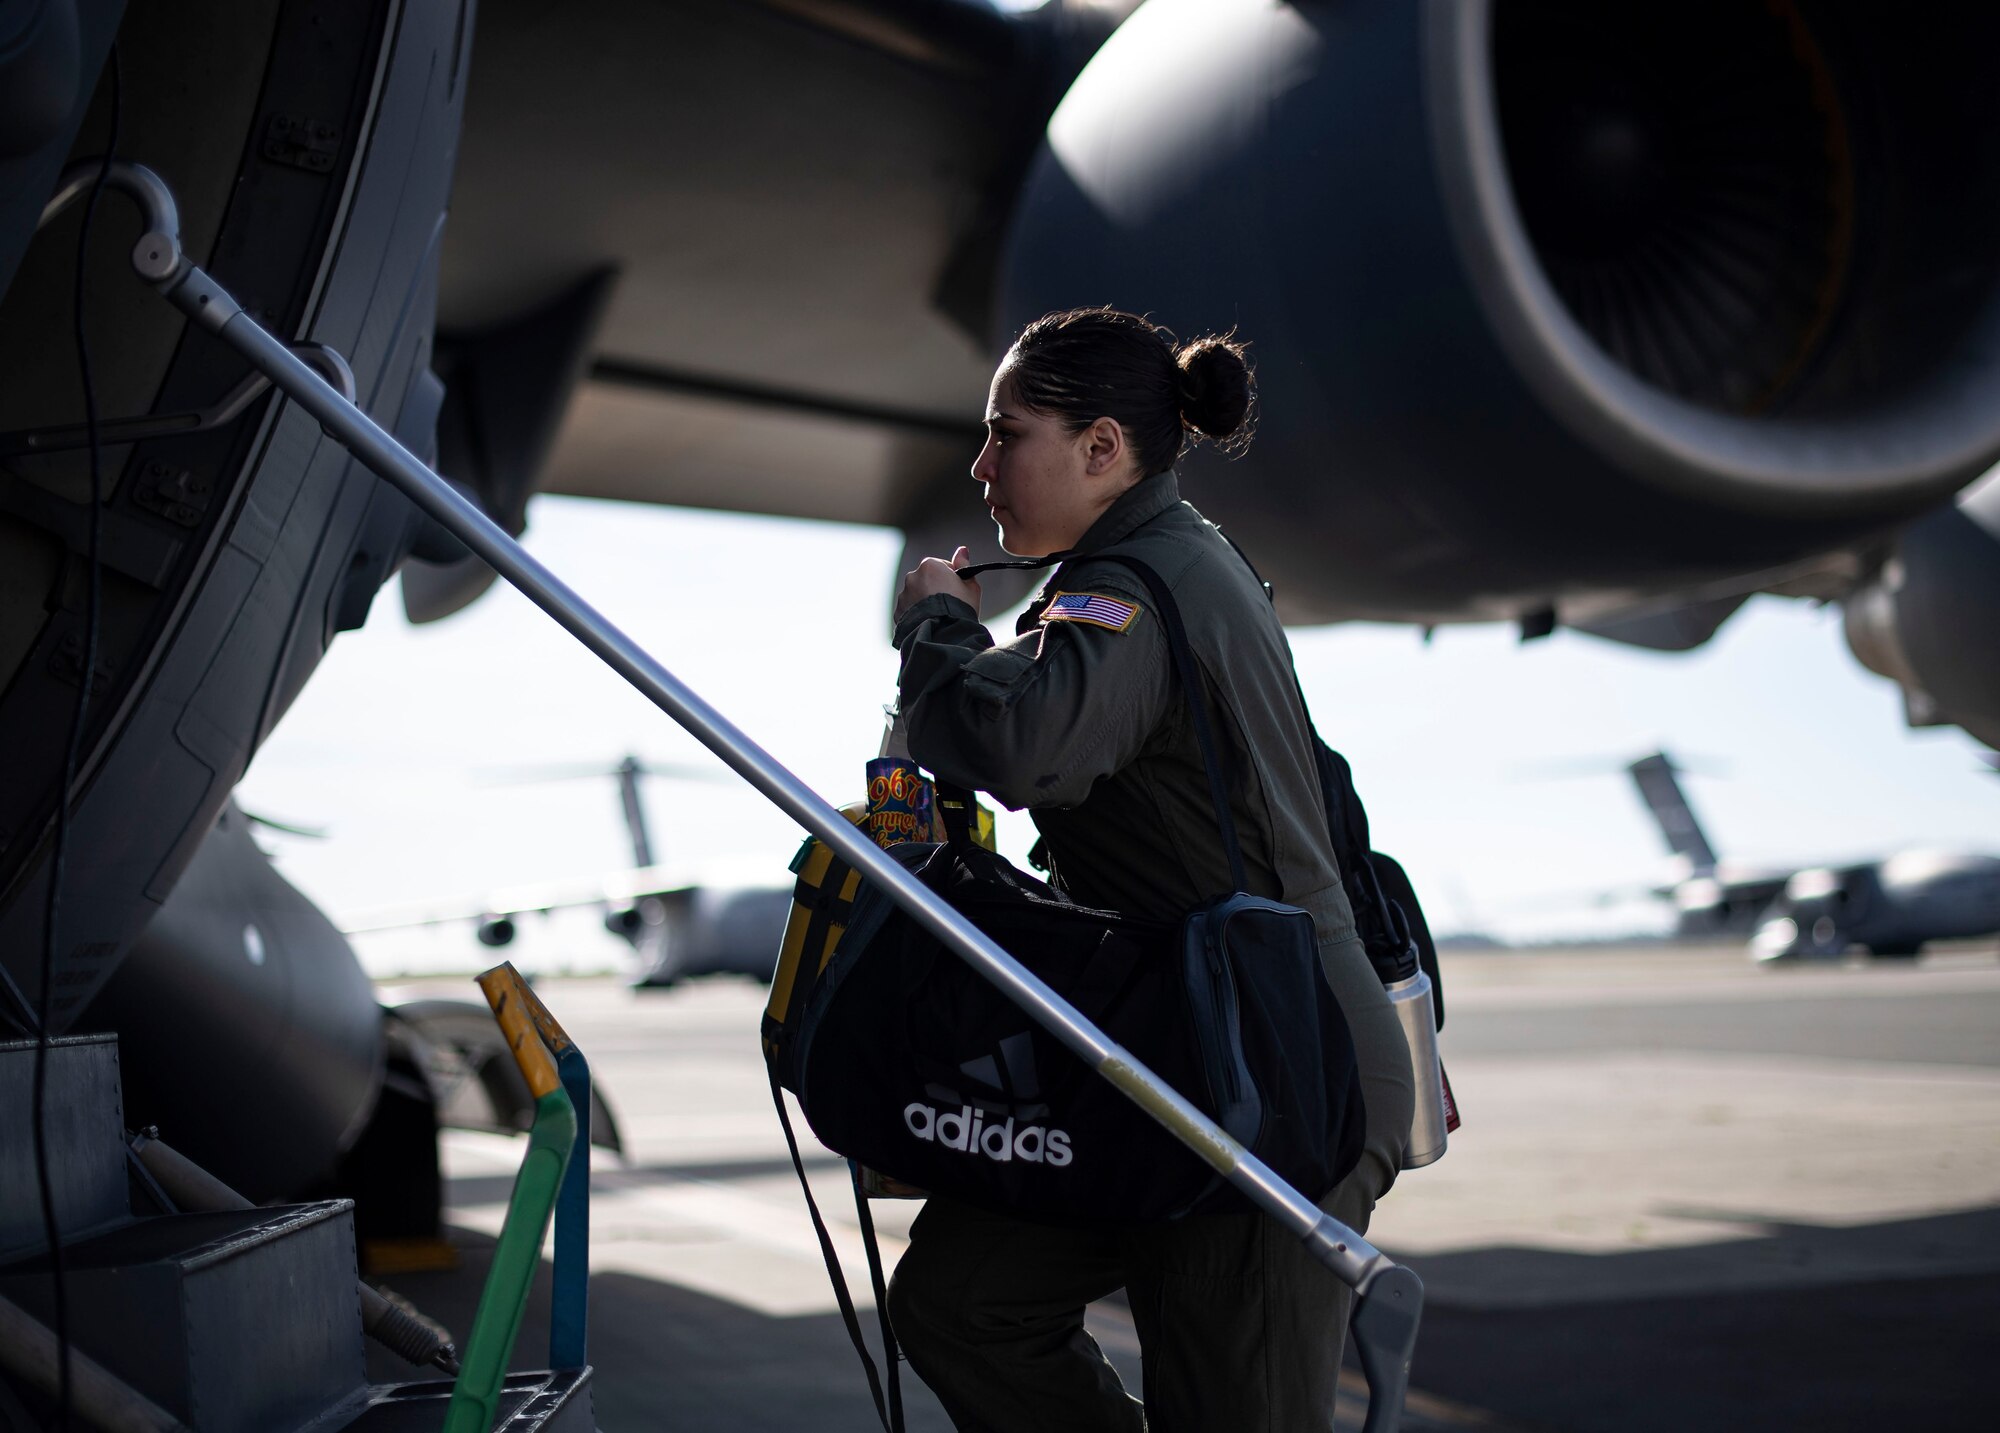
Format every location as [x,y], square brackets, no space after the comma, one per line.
[241,1320]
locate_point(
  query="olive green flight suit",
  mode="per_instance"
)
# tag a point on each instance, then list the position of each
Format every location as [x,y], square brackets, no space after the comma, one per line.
[1082,722]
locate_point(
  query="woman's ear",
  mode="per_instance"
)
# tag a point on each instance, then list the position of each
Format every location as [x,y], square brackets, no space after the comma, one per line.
[1104,447]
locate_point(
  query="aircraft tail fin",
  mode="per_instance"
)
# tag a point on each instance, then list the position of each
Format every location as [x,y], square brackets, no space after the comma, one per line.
[628,773]
[1654,776]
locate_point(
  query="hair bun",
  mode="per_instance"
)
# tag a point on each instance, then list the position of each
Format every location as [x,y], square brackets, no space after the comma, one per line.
[1216,389]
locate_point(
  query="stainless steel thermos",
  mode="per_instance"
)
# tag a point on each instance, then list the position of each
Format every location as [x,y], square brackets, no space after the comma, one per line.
[1410,997]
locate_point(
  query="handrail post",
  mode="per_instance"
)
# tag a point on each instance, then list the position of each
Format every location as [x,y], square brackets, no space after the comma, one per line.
[475,1396]
[569,1310]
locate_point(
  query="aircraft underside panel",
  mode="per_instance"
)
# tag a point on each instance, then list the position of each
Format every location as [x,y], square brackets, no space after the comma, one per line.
[802,203]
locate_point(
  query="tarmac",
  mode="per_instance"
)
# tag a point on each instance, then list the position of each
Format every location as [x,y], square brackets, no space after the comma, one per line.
[1689,1193]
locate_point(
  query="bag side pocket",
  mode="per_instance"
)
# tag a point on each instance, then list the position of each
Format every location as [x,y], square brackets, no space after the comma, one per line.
[1209,979]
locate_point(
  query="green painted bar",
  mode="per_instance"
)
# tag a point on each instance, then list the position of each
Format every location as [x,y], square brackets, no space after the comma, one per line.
[475,1398]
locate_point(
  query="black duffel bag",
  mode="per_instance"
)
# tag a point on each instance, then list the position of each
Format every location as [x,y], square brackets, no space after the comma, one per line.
[910,1062]
[906,1060]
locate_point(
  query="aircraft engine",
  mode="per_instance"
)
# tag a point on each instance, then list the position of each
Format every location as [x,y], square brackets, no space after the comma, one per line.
[1558,308]
[1930,618]
[495,931]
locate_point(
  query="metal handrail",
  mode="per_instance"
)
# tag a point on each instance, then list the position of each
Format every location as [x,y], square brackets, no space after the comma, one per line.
[1391,1295]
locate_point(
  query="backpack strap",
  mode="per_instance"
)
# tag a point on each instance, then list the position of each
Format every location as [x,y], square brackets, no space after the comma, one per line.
[891,1355]
[1214,757]
[893,1403]
[1389,918]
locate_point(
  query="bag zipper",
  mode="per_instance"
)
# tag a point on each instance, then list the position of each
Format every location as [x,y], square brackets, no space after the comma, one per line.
[1222,991]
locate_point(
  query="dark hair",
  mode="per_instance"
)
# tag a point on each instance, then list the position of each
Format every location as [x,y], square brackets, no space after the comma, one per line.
[1091,363]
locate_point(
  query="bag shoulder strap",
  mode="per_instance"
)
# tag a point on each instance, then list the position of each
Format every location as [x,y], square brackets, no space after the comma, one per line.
[1214,757]
[890,1409]
[1391,925]
[891,1354]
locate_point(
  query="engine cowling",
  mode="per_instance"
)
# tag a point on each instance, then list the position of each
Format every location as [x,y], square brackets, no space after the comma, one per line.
[1930,617]
[1557,305]
[495,932]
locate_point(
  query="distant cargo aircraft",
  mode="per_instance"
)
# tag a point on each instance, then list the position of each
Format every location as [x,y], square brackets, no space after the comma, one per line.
[1889,907]
[1710,896]
[675,929]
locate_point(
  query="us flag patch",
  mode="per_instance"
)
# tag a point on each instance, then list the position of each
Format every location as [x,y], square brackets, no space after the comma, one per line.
[1092,608]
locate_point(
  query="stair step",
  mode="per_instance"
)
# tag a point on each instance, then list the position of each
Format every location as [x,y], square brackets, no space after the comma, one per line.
[544,1402]
[86,1141]
[238,1321]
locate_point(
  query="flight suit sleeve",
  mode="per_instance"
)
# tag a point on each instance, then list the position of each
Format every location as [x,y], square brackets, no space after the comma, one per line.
[1036,721]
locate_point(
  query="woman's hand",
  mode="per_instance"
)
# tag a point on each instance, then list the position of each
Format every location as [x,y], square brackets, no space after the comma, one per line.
[934,575]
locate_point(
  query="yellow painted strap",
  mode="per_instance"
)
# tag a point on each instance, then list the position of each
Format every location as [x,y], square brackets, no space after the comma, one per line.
[787,969]
[811,867]
[849,888]
[508,994]
[793,944]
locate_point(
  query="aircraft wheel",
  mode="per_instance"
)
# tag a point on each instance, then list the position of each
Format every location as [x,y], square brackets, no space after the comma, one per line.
[1826,940]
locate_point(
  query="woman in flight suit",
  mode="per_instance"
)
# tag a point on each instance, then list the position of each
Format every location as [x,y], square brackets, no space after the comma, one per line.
[1079,720]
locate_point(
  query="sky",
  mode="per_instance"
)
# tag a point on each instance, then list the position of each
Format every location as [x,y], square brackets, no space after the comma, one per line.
[401,743]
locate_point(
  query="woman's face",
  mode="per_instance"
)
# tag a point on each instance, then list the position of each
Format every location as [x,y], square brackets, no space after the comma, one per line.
[1045,485]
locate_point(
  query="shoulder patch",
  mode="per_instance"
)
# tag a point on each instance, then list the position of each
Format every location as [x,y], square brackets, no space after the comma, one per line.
[1094,608]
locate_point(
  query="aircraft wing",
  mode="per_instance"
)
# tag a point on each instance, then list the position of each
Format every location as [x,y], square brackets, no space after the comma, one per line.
[702,152]
[777,241]
[749,247]
[613,888]
[675,928]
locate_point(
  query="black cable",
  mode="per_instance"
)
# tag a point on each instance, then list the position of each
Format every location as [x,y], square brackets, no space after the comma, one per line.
[50,1226]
